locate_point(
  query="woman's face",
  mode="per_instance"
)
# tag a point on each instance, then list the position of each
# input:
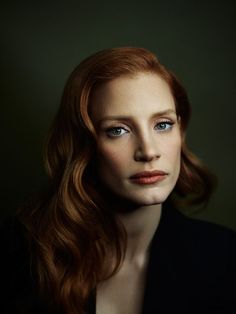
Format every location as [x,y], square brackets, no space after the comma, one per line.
[139,140]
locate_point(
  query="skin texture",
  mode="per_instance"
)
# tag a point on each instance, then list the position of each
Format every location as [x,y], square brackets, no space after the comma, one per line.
[138,130]
[139,141]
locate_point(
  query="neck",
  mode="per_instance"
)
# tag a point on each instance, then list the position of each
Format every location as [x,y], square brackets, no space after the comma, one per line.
[140,226]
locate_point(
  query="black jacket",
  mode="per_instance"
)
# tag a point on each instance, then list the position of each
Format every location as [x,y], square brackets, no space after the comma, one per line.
[192,269]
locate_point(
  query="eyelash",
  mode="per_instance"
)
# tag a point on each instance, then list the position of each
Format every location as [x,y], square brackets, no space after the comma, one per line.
[110,130]
[169,123]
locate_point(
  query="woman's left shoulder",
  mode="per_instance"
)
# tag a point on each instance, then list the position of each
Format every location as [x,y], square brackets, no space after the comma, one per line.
[209,242]
[208,232]
[212,251]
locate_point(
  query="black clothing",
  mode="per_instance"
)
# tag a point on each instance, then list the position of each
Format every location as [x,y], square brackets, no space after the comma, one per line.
[192,269]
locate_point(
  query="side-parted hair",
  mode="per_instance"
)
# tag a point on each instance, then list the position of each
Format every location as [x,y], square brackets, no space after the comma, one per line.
[73,234]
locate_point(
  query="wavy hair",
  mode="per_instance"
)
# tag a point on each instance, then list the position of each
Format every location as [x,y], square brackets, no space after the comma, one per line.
[75,239]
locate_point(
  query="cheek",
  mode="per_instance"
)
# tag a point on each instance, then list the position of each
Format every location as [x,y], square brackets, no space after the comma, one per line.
[112,158]
[173,152]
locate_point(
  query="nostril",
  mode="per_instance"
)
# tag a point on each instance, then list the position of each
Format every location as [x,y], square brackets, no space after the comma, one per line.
[146,149]
[145,156]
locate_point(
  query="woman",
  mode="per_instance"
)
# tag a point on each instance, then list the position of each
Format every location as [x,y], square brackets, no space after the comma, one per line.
[106,237]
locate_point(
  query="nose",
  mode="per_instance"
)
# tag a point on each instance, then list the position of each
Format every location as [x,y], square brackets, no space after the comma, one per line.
[146,149]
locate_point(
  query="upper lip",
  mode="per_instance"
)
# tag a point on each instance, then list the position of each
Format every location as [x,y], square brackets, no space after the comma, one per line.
[145,174]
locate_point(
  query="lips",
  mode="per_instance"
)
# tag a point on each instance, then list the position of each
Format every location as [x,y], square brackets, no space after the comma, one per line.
[148,177]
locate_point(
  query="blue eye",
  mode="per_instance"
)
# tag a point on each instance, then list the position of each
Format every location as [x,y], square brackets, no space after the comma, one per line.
[116,132]
[164,126]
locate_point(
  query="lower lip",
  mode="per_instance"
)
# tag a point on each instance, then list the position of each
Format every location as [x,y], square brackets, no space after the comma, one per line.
[148,180]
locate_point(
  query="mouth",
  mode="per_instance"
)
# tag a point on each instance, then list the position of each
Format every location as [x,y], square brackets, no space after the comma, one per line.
[148,177]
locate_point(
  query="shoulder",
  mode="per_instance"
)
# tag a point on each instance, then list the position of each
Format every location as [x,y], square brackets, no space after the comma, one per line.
[12,241]
[210,252]
[193,264]
[197,229]
[204,238]
[14,252]
[205,234]
[201,258]
[205,248]
[15,269]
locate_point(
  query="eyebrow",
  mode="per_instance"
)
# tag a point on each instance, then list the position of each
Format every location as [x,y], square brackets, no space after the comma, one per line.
[128,118]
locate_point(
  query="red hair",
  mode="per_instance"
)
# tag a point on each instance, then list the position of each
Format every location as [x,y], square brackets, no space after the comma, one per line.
[73,234]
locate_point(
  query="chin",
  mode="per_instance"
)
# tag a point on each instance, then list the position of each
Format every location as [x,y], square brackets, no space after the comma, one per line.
[148,200]
[138,198]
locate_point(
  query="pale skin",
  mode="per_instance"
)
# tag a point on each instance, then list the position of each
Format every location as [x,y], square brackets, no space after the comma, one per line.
[138,130]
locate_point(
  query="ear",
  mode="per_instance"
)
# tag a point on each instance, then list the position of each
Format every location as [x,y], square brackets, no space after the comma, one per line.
[179,120]
[183,135]
[182,132]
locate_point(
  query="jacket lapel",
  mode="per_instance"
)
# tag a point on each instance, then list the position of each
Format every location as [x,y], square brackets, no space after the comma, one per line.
[168,264]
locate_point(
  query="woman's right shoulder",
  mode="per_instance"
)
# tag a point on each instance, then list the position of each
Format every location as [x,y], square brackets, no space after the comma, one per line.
[14,251]
[12,239]
[15,269]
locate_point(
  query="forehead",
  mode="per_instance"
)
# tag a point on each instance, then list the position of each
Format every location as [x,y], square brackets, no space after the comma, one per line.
[141,95]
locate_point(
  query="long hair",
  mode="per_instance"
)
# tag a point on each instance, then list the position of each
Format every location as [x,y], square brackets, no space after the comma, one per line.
[76,241]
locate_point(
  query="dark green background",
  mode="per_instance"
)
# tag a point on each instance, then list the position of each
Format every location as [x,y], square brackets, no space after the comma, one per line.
[42,42]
